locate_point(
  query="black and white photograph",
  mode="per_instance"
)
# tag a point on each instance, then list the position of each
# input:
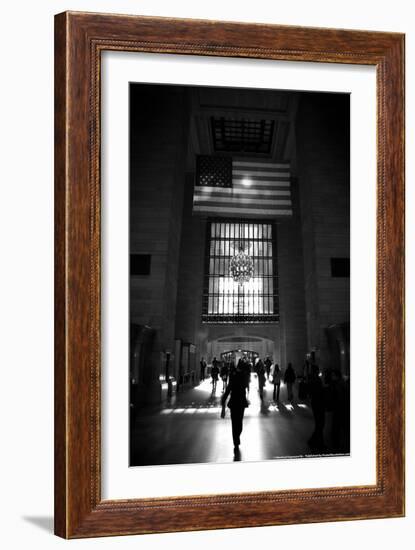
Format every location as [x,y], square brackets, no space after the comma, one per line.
[239,242]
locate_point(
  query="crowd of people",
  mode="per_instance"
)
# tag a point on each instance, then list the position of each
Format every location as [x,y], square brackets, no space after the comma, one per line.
[325,392]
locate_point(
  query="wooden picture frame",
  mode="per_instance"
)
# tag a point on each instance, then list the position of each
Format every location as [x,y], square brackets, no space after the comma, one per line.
[79,40]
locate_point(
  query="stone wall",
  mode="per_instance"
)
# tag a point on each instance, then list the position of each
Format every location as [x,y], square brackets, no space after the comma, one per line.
[159,119]
[322,140]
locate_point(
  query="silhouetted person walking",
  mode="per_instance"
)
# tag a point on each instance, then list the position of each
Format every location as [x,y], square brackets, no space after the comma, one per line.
[289,379]
[260,370]
[232,369]
[340,408]
[276,380]
[224,373]
[245,367]
[214,374]
[267,365]
[237,403]
[316,390]
[202,369]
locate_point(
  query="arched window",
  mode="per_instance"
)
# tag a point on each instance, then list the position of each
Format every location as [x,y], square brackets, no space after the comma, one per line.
[228,298]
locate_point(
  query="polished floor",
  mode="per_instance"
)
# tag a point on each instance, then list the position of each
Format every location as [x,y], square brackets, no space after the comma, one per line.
[189,429]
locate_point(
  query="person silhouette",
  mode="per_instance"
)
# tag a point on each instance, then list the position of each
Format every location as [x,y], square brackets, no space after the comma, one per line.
[202,369]
[224,374]
[316,440]
[276,380]
[267,365]
[245,367]
[289,379]
[214,373]
[260,370]
[237,403]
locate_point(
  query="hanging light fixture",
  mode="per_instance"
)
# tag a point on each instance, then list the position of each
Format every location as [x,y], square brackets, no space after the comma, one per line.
[241,267]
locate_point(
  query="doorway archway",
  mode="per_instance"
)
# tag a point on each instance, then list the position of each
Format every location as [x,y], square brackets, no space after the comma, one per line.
[237,346]
[233,356]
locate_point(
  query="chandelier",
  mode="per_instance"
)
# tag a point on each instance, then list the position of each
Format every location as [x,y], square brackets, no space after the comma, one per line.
[241,268]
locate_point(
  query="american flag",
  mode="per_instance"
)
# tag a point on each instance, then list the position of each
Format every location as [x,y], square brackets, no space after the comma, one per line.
[256,188]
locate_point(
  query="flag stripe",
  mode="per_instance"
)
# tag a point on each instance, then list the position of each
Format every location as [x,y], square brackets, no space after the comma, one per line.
[234,193]
[234,210]
[248,164]
[251,201]
[261,174]
[236,182]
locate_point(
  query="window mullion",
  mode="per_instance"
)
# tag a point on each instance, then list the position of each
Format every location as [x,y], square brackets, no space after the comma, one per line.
[254,301]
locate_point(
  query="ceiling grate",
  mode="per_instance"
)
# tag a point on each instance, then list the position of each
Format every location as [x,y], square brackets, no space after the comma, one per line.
[242,135]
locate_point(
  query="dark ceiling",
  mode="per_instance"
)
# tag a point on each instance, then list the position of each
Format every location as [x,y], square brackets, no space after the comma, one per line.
[243,123]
